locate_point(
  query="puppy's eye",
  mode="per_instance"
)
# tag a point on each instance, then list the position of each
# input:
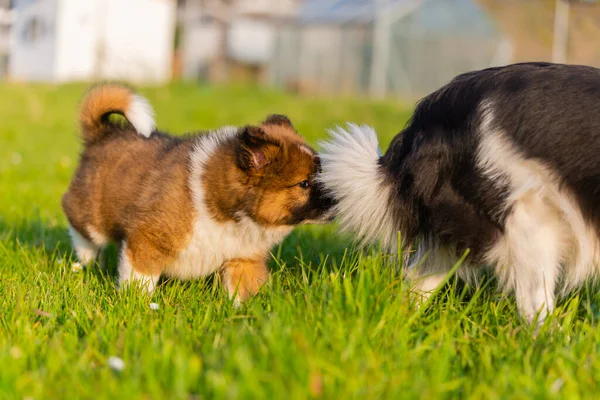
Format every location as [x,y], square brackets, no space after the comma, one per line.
[304,184]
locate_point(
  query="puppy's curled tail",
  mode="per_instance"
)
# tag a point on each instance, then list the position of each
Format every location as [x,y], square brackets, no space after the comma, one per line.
[352,175]
[106,99]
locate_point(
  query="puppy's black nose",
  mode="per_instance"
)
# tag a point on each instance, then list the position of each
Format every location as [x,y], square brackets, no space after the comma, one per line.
[324,200]
[328,201]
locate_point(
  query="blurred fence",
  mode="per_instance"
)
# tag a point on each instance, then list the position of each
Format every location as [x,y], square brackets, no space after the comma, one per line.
[328,59]
[340,60]
[415,53]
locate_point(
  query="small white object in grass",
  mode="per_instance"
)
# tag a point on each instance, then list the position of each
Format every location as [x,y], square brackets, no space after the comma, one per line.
[15,352]
[116,363]
[557,385]
[154,306]
[76,266]
[16,158]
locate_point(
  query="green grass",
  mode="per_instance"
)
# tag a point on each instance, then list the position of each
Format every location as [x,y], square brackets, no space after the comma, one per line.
[333,322]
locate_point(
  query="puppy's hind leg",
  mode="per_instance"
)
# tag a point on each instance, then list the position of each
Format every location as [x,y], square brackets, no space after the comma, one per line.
[529,256]
[131,273]
[86,250]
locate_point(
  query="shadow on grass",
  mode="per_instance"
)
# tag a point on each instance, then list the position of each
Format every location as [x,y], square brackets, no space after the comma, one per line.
[51,243]
[307,246]
[36,234]
[311,247]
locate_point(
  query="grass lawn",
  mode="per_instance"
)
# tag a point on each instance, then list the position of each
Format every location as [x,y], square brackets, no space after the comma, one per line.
[333,322]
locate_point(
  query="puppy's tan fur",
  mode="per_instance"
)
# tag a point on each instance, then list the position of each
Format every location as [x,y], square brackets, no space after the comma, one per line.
[187,207]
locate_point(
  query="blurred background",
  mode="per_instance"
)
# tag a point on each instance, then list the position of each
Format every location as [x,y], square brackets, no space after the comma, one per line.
[391,48]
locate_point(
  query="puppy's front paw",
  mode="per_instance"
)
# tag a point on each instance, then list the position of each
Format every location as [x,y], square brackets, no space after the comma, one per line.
[243,278]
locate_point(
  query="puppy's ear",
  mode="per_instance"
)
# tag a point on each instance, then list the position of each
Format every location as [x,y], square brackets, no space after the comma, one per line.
[278,119]
[256,149]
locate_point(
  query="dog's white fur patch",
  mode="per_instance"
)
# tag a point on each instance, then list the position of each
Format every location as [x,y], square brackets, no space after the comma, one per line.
[351,172]
[141,115]
[98,238]
[545,232]
[86,251]
[431,263]
[212,243]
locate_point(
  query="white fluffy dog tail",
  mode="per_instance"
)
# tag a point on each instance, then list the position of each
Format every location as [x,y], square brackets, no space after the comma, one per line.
[351,173]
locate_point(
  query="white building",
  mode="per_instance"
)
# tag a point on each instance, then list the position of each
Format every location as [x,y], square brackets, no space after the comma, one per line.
[242,31]
[70,40]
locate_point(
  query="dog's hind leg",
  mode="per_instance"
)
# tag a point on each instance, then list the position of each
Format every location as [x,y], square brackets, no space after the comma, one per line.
[130,271]
[86,250]
[528,255]
[431,265]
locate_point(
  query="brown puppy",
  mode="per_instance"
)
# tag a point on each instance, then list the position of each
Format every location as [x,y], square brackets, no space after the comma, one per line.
[188,206]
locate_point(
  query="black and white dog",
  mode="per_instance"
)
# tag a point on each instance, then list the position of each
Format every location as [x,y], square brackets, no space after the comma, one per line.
[504,162]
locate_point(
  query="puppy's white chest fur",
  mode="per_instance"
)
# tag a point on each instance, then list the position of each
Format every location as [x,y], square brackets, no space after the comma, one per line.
[213,243]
